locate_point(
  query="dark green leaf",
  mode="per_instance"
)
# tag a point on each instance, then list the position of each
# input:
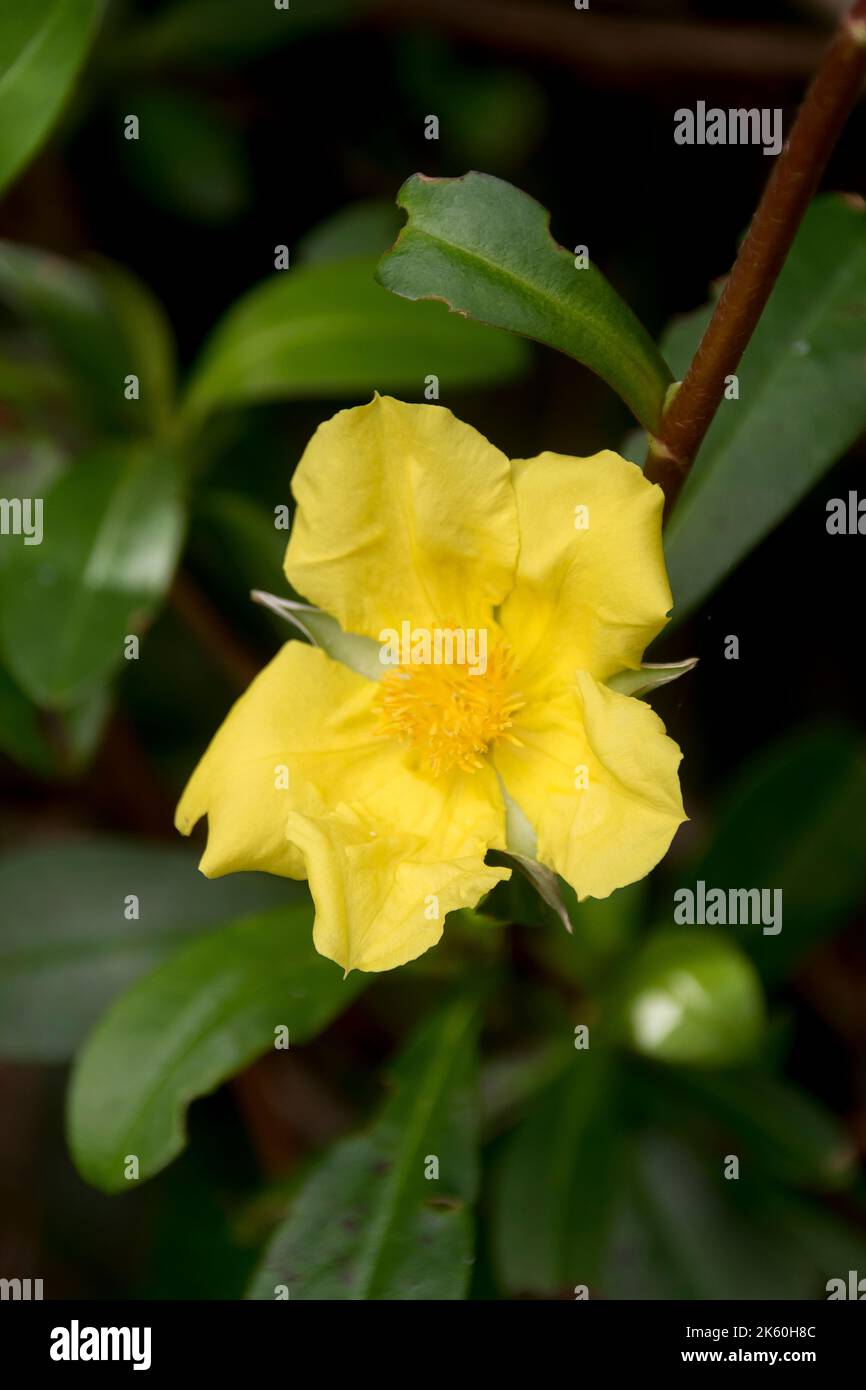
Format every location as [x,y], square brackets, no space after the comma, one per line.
[66,946]
[79,727]
[112,526]
[793,821]
[369,1224]
[199,1018]
[802,403]
[545,882]
[365,228]
[52,744]
[604,929]
[828,1243]
[29,463]
[215,1256]
[22,736]
[685,1232]
[511,1081]
[557,1182]
[147,333]
[102,325]
[485,249]
[789,1135]
[330,330]
[62,742]
[42,46]
[515,900]
[33,389]
[690,996]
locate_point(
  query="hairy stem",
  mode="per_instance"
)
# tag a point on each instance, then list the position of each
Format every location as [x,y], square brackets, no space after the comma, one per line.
[791,186]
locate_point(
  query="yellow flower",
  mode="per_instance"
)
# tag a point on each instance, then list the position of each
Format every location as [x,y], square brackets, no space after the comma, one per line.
[511,592]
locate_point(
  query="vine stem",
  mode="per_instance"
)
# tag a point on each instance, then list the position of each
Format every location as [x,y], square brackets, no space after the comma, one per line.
[792,184]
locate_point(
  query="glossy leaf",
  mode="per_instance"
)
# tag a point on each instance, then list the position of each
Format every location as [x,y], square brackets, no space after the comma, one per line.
[368,1223]
[147,334]
[79,728]
[685,1232]
[557,1183]
[773,1124]
[485,248]
[214,1259]
[112,528]
[330,330]
[22,736]
[42,46]
[830,1243]
[199,1018]
[597,930]
[29,463]
[690,996]
[365,228]
[51,745]
[33,389]
[603,930]
[102,325]
[511,1081]
[793,821]
[67,948]
[802,403]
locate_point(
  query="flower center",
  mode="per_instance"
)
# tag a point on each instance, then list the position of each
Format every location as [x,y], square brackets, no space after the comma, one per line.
[451,713]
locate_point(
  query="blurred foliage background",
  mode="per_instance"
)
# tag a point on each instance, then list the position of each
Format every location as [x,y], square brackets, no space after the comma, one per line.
[261,129]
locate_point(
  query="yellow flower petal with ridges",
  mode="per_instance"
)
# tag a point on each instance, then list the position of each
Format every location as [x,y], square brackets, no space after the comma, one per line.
[587,597]
[302,705]
[299,782]
[387,794]
[596,777]
[402,512]
[382,895]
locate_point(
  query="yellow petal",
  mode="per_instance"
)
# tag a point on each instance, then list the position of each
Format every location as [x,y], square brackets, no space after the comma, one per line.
[586,597]
[613,830]
[381,892]
[298,782]
[302,703]
[404,513]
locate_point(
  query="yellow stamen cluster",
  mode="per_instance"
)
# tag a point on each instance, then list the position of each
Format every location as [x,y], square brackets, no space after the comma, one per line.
[450,714]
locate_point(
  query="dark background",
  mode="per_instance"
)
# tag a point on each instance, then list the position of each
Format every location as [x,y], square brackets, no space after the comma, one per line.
[585,125]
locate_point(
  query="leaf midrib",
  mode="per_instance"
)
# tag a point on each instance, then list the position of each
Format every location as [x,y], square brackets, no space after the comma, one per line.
[373,1246]
[236,1000]
[651,371]
[764,380]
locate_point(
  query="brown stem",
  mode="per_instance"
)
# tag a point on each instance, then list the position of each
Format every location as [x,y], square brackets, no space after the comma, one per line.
[791,186]
[623,51]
